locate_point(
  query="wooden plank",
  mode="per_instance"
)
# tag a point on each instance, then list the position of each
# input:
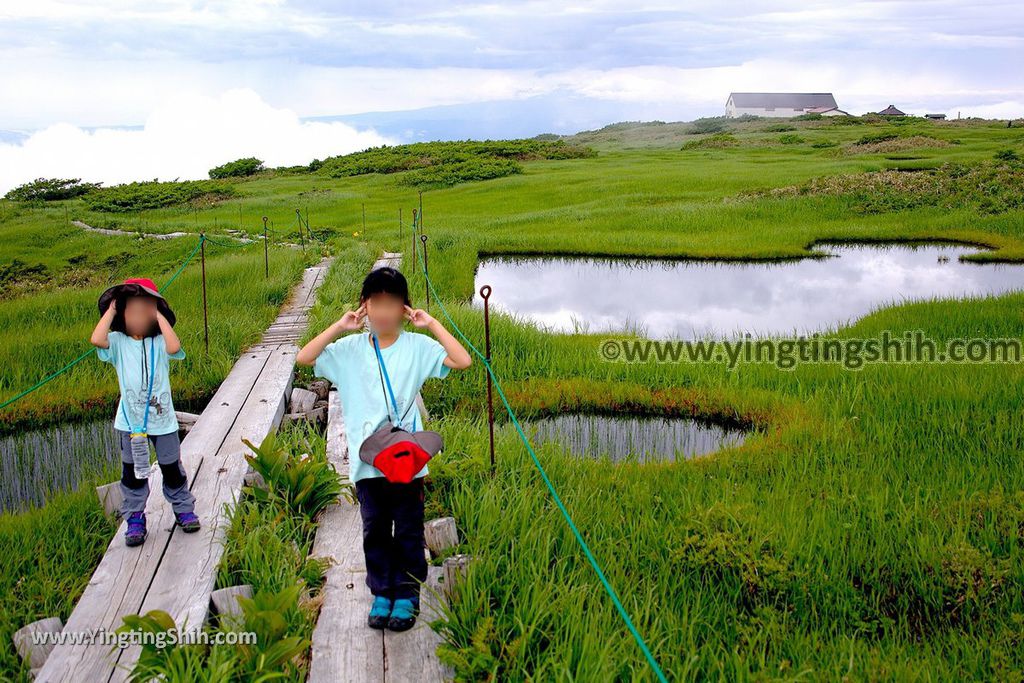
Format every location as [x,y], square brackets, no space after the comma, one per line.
[184,579]
[412,655]
[118,585]
[344,647]
[121,583]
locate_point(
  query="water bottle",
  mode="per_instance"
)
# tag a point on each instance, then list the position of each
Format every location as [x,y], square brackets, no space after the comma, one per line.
[140,455]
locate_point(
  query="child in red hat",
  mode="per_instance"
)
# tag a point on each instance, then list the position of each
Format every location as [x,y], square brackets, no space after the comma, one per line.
[392,511]
[136,335]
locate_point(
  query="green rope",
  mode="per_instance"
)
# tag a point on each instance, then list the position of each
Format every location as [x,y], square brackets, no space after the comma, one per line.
[182,267]
[47,379]
[85,355]
[558,501]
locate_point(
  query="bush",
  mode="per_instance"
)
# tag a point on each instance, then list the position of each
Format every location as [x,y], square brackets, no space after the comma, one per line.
[419,155]
[50,189]
[1007,155]
[872,138]
[154,194]
[447,175]
[716,141]
[990,187]
[238,168]
[779,128]
[715,124]
[790,139]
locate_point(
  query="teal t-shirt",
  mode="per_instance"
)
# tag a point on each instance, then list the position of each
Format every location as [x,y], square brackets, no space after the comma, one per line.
[131,359]
[350,364]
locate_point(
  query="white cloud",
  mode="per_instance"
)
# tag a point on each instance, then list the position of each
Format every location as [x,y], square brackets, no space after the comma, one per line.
[182,138]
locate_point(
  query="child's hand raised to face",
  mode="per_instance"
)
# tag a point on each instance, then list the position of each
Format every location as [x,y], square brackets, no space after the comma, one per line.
[418,317]
[352,320]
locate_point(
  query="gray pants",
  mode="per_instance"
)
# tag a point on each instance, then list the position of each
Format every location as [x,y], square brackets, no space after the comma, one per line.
[175,484]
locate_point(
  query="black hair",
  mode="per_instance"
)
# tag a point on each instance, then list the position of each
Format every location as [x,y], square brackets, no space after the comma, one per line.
[385,280]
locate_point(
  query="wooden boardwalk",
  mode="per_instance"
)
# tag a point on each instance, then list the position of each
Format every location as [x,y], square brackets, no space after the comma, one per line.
[344,647]
[174,571]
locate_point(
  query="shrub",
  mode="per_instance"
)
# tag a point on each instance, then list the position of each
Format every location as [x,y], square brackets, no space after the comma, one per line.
[872,138]
[779,128]
[388,159]
[989,186]
[886,143]
[790,139]
[447,175]
[238,168]
[1007,155]
[18,274]
[50,189]
[845,120]
[716,141]
[155,194]
[707,125]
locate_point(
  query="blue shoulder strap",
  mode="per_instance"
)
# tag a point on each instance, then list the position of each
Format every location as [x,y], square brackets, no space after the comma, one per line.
[149,394]
[387,380]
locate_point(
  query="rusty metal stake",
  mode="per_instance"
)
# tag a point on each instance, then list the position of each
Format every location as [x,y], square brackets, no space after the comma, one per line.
[415,217]
[485,294]
[266,251]
[426,271]
[206,322]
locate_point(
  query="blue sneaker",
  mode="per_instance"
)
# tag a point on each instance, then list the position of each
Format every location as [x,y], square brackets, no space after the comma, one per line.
[379,612]
[136,533]
[188,522]
[403,615]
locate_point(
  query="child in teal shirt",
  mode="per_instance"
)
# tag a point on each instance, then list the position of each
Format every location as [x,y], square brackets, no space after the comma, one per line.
[135,334]
[395,564]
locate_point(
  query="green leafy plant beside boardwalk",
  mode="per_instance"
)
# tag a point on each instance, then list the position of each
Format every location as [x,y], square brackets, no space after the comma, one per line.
[267,548]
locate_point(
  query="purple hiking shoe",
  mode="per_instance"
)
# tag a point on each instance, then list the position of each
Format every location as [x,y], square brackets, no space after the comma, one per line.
[136,533]
[188,522]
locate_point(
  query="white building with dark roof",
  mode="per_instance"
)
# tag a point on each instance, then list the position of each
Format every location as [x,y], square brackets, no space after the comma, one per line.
[781,104]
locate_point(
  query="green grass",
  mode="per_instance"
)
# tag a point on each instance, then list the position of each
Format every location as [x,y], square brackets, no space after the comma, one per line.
[47,556]
[871,527]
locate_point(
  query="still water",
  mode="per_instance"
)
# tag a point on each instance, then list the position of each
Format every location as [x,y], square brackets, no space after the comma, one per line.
[621,438]
[693,299]
[35,464]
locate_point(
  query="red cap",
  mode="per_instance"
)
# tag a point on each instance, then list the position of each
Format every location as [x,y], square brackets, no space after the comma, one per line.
[144,282]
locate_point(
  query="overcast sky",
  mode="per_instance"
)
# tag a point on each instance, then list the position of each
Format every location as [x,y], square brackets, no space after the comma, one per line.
[206,82]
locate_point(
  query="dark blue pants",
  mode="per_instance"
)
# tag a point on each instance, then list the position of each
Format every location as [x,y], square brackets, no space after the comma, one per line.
[393,536]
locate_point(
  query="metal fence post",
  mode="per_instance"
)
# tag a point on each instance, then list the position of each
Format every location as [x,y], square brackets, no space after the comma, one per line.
[485,294]
[206,321]
[426,272]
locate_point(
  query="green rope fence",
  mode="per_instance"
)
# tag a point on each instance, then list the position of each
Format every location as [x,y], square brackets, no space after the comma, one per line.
[85,355]
[547,482]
